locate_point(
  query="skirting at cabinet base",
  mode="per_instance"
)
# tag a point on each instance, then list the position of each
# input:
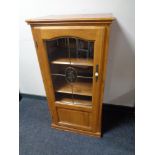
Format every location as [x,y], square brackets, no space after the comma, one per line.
[97,134]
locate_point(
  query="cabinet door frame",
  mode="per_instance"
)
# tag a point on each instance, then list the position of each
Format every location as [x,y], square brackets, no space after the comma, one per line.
[94,33]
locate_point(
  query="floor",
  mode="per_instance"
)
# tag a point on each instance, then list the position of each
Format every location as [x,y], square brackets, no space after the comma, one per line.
[37,138]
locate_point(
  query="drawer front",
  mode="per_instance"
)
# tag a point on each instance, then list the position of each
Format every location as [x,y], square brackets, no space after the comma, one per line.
[74,118]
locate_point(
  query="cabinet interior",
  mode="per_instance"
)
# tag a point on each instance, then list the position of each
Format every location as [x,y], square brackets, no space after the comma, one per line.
[71,64]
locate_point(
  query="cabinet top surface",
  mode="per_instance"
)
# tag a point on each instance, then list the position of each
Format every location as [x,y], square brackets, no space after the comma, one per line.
[72,18]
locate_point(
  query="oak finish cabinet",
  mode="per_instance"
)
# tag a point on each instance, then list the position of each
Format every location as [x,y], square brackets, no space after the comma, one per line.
[72,53]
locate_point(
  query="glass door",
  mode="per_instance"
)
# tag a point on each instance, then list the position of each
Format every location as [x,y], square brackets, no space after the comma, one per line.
[71,68]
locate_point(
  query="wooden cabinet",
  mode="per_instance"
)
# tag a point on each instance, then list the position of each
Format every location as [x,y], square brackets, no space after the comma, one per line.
[72,53]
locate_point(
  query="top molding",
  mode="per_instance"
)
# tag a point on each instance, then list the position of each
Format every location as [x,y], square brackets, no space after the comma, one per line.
[85,19]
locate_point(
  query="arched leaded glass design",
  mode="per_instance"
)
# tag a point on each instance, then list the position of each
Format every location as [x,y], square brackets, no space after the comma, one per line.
[71,63]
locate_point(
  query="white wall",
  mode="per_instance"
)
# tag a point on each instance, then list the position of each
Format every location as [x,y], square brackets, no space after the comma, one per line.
[120,71]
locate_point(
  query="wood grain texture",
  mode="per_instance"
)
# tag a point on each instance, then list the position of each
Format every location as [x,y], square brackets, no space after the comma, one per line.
[85,116]
[79,107]
[74,117]
[79,88]
[75,101]
[85,18]
[73,61]
[76,131]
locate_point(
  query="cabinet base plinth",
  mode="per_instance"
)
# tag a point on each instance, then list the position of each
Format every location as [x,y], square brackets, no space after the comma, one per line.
[96,134]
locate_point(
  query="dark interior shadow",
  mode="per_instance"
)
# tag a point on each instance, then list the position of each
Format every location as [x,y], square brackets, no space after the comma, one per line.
[115,116]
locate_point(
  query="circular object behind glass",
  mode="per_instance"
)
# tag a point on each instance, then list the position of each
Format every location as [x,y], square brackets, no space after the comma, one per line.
[71,74]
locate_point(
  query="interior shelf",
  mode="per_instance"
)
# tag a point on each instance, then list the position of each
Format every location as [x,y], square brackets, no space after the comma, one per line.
[74,61]
[82,71]
[76,100]
[79,88]
[63,75]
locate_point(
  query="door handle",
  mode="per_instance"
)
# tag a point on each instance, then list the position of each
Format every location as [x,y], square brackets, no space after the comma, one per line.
[96,73]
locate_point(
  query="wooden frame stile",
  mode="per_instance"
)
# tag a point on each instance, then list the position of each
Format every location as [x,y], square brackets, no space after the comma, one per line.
[45,71]
[97,84]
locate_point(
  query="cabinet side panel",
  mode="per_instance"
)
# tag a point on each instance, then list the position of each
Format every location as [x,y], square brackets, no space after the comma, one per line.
[104,57]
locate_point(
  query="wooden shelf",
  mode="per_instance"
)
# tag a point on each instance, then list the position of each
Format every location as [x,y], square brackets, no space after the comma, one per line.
[63,75]
[75,101]
[78,88]
[74,61]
